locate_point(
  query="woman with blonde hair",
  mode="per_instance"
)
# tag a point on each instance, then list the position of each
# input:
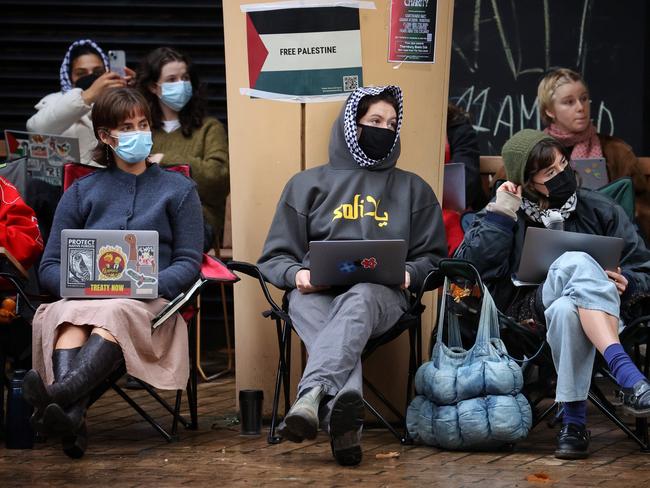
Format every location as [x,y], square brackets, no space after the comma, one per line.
[564,108]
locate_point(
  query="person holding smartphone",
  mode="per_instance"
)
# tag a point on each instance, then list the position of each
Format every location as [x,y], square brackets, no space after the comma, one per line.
[84,76]
[182,134]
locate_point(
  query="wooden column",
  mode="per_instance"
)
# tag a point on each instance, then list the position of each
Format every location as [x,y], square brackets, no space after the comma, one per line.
[267,140]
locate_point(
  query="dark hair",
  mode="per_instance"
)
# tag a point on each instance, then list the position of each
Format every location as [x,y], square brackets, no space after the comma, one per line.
[110,110]
[82,50]
[456,115]
[541,156]
[192,114]
[368,100]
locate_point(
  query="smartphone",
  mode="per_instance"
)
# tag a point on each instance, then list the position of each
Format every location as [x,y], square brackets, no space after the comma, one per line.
[117,62]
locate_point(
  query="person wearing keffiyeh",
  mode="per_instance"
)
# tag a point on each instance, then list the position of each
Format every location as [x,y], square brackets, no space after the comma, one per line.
[83,76]
[577,308]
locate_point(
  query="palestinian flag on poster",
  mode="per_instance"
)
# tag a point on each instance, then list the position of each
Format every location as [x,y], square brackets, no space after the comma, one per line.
[303,52]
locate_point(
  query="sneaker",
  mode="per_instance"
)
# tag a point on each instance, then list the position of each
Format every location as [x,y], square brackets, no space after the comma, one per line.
[346,424]
[573,442]
[636,400]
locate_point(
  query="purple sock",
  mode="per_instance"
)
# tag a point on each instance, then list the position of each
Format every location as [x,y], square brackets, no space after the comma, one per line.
[575,413]
[621,366]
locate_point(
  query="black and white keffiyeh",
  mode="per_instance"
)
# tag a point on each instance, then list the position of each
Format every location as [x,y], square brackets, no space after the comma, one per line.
[551,215]
[350,121]
[64,71]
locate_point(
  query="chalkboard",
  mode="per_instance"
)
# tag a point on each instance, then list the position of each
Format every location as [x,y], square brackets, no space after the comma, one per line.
[502,48]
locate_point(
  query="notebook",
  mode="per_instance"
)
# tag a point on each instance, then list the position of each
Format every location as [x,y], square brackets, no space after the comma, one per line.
[109,263]
[543,246]
[453,189]
[337,263]
[592,171]
[45,153]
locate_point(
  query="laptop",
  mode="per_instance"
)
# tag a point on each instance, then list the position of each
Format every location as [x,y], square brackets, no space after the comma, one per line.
[592,171]
[109,263]
[337,263]
[453,189]
[45,153]
[543,246]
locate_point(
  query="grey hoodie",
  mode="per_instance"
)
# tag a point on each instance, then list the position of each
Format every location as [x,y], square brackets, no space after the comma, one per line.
[354,197]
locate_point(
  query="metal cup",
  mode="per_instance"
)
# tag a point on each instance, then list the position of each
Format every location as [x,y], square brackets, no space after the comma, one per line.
[250,411]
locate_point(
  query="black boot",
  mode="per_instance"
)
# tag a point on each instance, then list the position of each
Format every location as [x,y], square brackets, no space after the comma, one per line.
[573,442]
[94,362]
[346,424]
[73,428]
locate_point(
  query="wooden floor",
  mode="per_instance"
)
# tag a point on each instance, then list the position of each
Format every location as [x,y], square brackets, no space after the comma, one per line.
[125,451]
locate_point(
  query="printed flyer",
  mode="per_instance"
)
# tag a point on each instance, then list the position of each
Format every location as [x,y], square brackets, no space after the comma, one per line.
[412,31]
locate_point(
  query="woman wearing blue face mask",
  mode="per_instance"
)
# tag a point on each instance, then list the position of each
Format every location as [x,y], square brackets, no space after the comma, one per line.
[182,134]
[78,343]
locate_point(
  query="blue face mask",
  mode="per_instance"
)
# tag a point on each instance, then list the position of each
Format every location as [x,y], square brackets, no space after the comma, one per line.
[176,94]
[133,147]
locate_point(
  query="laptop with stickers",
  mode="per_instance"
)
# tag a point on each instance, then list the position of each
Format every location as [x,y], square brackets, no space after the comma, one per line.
[109,263]
[338,263]
[44,154]
[592,171]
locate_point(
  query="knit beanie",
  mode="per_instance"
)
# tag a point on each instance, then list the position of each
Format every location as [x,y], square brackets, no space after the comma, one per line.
[516,150]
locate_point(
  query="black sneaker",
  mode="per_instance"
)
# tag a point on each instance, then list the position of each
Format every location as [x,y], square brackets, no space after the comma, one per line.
[346,423]
[636,400]
[573,442]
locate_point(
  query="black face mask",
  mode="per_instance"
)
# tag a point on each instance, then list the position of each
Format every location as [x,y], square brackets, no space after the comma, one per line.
[561,187]
[375,141]
[86,81]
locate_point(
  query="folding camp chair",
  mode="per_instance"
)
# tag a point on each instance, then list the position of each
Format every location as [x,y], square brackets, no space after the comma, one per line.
[527,346]
[212,270]
[410,321]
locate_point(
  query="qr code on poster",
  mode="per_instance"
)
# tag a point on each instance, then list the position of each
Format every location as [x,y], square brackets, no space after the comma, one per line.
[350,83]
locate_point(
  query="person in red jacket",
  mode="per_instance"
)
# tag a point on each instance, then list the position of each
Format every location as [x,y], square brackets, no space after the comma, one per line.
[19,232]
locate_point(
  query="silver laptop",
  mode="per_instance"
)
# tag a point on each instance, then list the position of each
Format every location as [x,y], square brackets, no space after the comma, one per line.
[592,171]
[45,154]
[543,246]
[453,189]
[334,263]
[109,263]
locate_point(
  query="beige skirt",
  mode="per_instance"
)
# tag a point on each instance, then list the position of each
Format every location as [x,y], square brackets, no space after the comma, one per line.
[160,358]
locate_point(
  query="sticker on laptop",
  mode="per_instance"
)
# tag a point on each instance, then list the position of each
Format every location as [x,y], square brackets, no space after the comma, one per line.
[352,266]
[81,259]
[111,262]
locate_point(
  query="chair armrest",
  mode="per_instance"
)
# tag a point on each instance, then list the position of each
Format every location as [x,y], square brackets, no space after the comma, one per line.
[254,272]
[213,269]
[9,264]
[174,306]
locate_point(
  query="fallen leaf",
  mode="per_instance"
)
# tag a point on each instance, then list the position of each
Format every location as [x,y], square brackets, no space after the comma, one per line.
[539,478]
[387,455]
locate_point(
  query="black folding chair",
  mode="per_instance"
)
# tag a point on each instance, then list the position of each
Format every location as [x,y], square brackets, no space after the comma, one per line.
[211,270]
[410,321]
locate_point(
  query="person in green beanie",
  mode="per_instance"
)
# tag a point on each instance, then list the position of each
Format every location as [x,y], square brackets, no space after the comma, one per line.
[578,307]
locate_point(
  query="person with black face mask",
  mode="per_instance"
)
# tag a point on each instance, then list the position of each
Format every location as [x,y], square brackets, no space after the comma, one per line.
[578,306]
[358,194]
[84,76]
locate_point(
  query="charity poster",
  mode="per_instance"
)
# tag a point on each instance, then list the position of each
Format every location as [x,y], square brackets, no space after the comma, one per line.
[412,31]
[303,52]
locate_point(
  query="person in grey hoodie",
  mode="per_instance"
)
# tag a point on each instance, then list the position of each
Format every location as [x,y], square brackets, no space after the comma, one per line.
[358,194]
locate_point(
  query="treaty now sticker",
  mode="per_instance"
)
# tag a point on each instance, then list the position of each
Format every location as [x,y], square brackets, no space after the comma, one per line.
[117,288]
[311,51]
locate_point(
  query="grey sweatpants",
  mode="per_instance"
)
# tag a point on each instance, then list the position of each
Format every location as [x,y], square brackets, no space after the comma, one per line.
[336,327]
[575,280]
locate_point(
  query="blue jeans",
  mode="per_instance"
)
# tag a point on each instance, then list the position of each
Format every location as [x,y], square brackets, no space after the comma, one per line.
[575,280]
